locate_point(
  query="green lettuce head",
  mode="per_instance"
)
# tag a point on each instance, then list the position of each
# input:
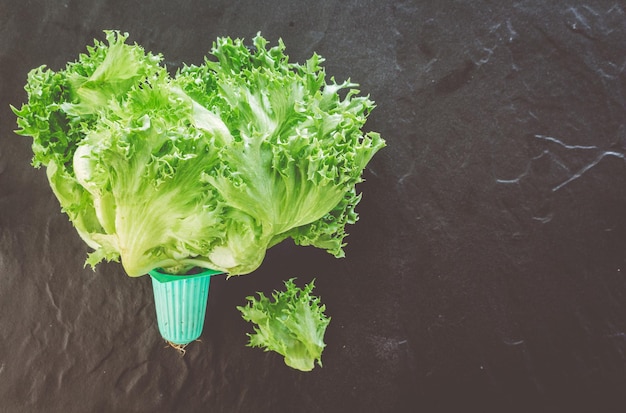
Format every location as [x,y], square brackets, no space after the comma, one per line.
[209,167]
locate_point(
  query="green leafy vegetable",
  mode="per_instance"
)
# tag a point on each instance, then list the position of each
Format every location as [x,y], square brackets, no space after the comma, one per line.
[292,325]
[209,167]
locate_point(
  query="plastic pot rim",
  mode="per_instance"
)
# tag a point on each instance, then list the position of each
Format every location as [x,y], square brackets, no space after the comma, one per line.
[162,277]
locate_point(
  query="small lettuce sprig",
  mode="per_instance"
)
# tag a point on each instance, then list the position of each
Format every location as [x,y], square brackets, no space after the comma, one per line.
[293,324]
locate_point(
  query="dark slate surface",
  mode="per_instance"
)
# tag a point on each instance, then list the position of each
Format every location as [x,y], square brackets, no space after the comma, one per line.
[486,273]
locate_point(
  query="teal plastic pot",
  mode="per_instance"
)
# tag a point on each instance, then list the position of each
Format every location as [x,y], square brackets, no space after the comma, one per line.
[180,302]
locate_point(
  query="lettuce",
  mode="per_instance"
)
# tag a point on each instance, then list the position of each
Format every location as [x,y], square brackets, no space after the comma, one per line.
[293,325]
[209,167]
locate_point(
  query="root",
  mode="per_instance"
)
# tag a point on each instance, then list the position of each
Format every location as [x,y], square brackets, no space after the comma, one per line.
[178,347]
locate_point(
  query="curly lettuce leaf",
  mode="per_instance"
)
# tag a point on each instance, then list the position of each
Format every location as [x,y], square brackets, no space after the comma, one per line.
[143,173]
[298,150]
[293,325]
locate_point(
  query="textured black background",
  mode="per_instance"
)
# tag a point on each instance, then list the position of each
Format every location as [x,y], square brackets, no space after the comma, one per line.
[486,272]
